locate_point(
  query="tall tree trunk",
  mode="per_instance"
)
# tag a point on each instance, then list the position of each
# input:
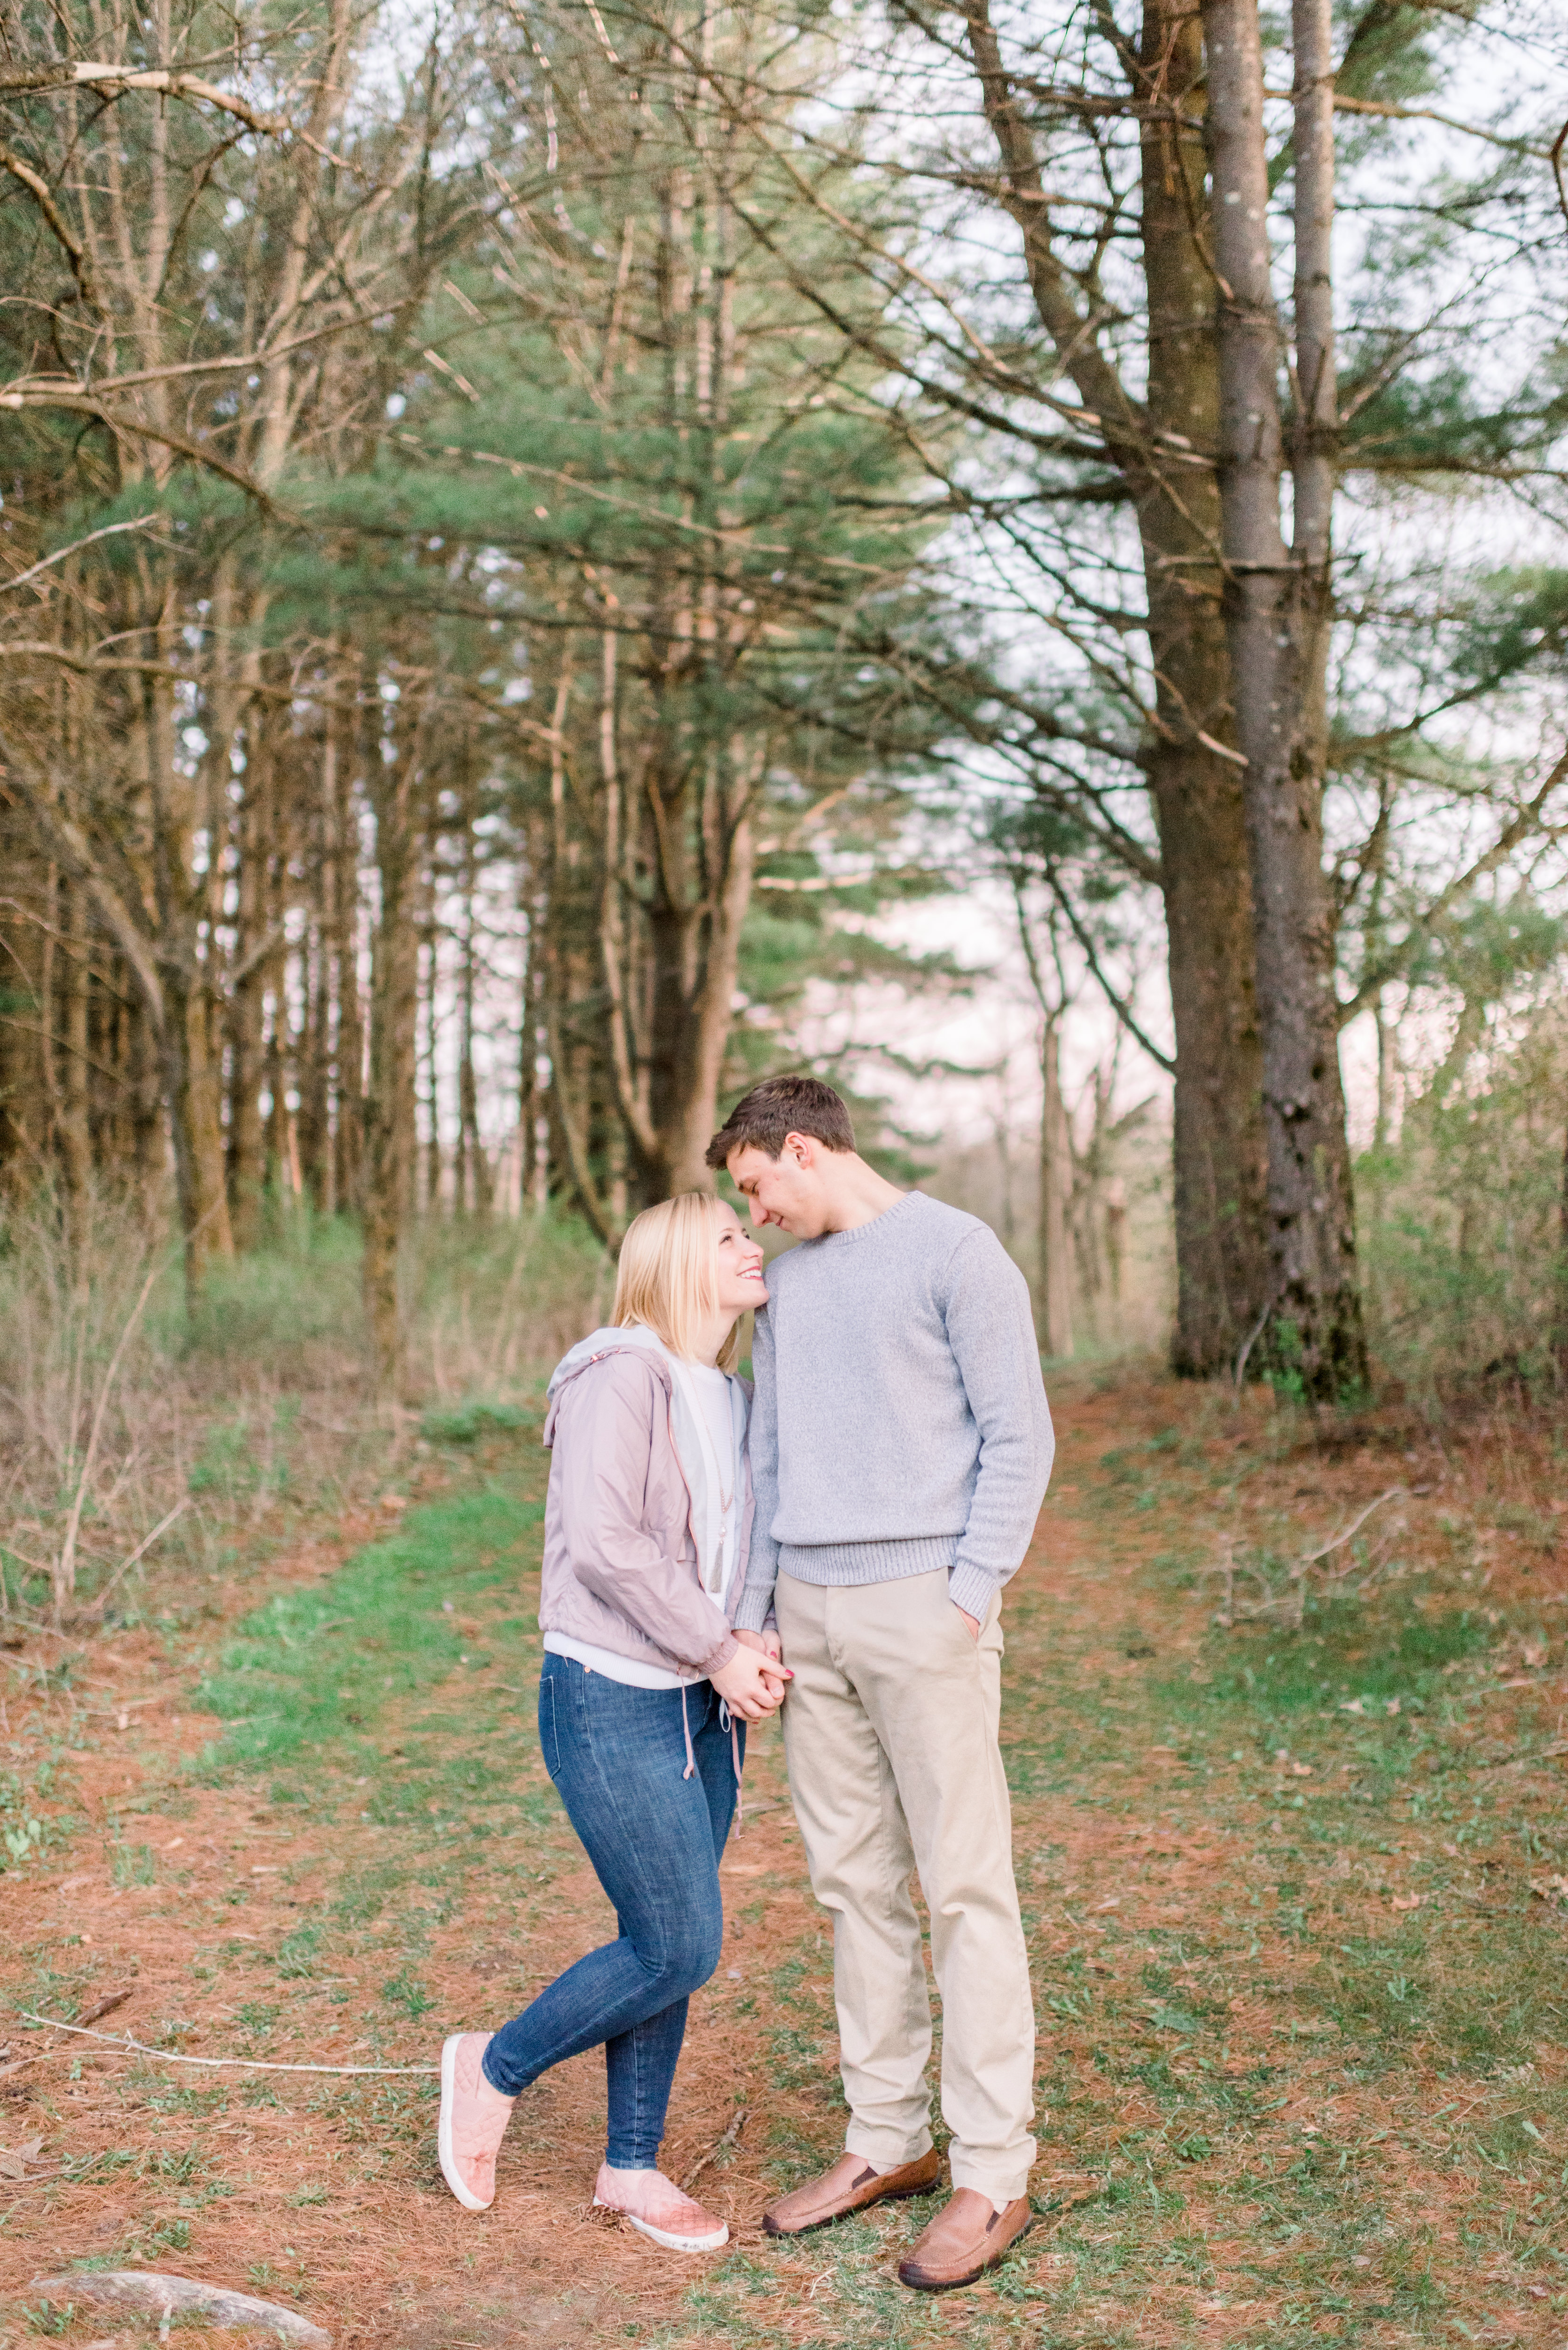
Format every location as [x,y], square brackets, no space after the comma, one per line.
[1219,1150]
[1277,628]
[148,1137]
[348,1138]
[311,1124]
[247,1003]
[191,1088]
[389,1122]
[1388,1076]
[1054,1288]
[48,1014]
[1116,1233]
[473,1180]
[534,1167]
[76,1140]
[274,1131]
[23,1117]
[428,1185]
[309,1128]
[191,1043]
[712,1007]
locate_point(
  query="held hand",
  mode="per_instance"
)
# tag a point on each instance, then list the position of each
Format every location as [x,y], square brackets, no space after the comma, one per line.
[750,1684]
[971,1623]
[766,1645]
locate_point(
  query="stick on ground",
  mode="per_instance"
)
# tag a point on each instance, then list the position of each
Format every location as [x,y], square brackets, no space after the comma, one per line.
[730,2134]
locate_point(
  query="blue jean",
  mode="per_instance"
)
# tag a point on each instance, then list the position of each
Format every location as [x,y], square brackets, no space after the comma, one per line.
[617,1756]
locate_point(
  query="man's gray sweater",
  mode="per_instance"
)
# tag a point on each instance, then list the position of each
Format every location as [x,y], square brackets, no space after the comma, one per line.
[900,1422]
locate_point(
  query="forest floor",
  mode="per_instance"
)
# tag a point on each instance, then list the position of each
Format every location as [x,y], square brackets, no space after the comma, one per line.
[1294,1897]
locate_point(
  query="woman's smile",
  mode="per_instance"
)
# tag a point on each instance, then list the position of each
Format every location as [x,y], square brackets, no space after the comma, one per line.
[742,1280]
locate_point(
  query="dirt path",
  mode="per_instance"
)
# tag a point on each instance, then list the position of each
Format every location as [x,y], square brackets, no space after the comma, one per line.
[1300,2011]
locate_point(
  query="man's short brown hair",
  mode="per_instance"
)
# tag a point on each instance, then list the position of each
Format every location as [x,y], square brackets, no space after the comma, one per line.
[780,1107]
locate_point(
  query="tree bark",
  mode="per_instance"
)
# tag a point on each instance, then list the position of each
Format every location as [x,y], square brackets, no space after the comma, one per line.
[312,1121]
[1277,629]
[389,1119]
[191,1048]
[48,1054]
[1055,1286]
[76,976]
[534,1167]
[348,1138]
[474,1169]
[1220,1157]
[247,1002]
[428,1163]
[709,1012]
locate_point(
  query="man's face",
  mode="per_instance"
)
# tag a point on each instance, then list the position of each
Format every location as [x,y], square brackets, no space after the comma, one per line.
[786,1190]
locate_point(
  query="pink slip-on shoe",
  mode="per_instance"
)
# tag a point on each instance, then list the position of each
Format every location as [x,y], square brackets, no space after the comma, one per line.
[657,2209]
[473,2119]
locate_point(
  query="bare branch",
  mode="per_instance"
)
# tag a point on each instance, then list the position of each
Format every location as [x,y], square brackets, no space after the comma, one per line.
[19,79]
[109,530]
[60,227]
[74,400]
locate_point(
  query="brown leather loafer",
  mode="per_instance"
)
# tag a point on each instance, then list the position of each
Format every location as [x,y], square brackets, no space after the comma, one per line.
[968,2236]
[852,2185]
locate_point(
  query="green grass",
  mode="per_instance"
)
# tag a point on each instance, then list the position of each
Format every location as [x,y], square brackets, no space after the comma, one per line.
[465,1423]
[321,1669]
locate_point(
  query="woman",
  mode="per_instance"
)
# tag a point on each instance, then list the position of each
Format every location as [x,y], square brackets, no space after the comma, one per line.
[644,1690]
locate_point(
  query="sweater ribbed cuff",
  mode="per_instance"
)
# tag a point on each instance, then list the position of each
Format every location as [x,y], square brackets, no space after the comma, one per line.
[971,1588]
[756,1606]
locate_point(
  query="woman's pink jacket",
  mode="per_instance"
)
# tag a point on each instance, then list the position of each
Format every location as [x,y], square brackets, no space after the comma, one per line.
[620,1561]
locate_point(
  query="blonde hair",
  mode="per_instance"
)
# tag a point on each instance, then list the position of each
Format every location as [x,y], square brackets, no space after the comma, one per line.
[666,1277]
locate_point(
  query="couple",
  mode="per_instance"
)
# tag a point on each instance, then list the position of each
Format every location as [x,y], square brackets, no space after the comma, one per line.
[850,1545]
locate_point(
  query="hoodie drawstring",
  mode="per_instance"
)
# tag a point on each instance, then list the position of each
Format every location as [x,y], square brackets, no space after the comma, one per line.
[727,1721]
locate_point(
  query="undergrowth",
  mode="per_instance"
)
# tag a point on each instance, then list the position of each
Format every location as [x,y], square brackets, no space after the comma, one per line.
[224,1426]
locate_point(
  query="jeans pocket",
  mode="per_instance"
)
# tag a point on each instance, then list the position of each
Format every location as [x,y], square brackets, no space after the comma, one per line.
[549,1741]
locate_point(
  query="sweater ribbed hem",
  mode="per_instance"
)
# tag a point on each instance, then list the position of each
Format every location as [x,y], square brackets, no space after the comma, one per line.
[866,1562]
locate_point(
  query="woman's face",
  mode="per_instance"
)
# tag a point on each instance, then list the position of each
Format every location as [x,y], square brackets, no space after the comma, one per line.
[740,1265]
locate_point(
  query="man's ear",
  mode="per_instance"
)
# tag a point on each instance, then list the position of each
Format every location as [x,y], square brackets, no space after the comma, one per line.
[805,1147]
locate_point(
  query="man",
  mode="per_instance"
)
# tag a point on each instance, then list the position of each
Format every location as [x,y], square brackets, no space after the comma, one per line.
[901,1450]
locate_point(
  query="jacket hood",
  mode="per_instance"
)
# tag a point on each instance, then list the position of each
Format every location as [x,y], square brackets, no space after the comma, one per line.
[631,1340]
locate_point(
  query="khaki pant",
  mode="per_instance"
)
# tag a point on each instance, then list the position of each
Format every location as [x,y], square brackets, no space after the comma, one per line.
[890,1731]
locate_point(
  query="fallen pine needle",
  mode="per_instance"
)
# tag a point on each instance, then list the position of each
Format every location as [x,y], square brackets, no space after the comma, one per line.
[236,2063]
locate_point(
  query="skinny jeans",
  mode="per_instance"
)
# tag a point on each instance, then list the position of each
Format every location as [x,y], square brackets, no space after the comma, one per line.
[618,1758]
